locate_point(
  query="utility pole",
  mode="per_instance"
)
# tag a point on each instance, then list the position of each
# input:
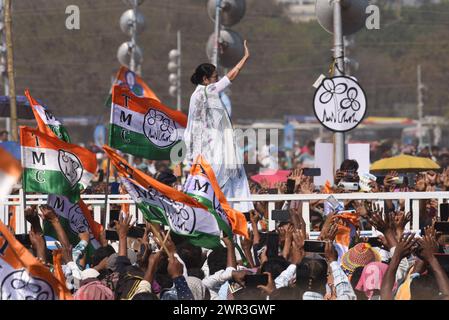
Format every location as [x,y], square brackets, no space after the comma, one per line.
[174,67]
[10,68]
[178,102]
[215,58]
[420,106]
[339,137]
[3,58]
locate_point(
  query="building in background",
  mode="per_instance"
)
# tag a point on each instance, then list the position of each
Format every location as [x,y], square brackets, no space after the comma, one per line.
[299,10]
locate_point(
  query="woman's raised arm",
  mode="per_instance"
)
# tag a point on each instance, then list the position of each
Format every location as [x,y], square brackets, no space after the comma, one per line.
[235,71]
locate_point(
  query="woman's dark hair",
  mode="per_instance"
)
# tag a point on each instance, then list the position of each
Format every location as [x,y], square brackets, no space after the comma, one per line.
[191,255]
[216,260]
[203,70]
[275,266]
[311,275]
[348,164]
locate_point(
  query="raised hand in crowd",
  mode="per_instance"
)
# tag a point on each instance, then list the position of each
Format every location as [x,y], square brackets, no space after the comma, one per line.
[444,179]
[383,224]
[48,214]
[420,183]
[38,244]
[122,227]
[403,249]
[270,287]
[330,253]
[400,221]
[389,178]
[288,241]
[428,247]
[247,247]
[32,217]
[297,252]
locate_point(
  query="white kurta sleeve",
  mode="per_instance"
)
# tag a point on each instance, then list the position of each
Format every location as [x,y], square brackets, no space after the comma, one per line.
[218,86]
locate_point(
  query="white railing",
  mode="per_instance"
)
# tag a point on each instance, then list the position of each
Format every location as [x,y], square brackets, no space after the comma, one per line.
[98,202]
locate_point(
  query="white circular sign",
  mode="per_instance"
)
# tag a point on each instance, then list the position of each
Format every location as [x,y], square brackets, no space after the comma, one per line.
[340,103]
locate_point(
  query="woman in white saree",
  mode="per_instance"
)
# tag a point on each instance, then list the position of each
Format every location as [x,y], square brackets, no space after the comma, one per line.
[209,131]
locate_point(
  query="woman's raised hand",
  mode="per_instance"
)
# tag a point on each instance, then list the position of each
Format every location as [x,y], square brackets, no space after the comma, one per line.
[245,44]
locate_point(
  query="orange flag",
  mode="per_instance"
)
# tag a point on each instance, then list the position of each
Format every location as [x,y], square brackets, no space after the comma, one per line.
[10,172]
[139,88]
[22,276]
[46,122]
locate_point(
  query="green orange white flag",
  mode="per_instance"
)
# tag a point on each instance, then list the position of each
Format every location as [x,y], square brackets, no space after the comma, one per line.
[46,122]
[203,186]
[53,166]
[131,80]
[144,127]
[163,204]
[22,276]
[75,218]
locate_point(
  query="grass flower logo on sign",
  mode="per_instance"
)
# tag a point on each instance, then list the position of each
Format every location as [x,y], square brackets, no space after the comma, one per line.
[340,103]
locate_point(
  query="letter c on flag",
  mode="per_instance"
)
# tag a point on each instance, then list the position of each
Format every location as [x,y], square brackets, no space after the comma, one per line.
[124,132]
[39,178]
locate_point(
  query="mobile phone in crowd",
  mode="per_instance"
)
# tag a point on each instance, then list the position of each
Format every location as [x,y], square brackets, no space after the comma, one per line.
[375,242]
[311,172]
[314,246]
[398,180]
[136,232]
[272,191]
[291,186]
[247,216]
[111,235]
[334,203]
[113,216]
[442,227]
[254,280]
[280,215]
[444,211]
[349,186]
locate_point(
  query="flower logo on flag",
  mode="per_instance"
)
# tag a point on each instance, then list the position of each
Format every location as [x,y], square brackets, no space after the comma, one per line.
[70,166]
[18,285]
[78,222]
[132,84]
[160,129]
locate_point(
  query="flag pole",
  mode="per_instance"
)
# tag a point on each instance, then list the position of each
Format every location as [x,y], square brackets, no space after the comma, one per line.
[103,214]
[10,68]
[158,235]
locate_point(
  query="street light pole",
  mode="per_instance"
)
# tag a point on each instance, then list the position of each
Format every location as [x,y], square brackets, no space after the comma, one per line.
[215,60]
[339,137]
[420,107]
[132,62]
[178,102]
[10,68]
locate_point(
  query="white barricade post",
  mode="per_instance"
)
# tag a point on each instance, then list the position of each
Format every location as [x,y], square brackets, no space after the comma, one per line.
[271,222]
[415,214]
